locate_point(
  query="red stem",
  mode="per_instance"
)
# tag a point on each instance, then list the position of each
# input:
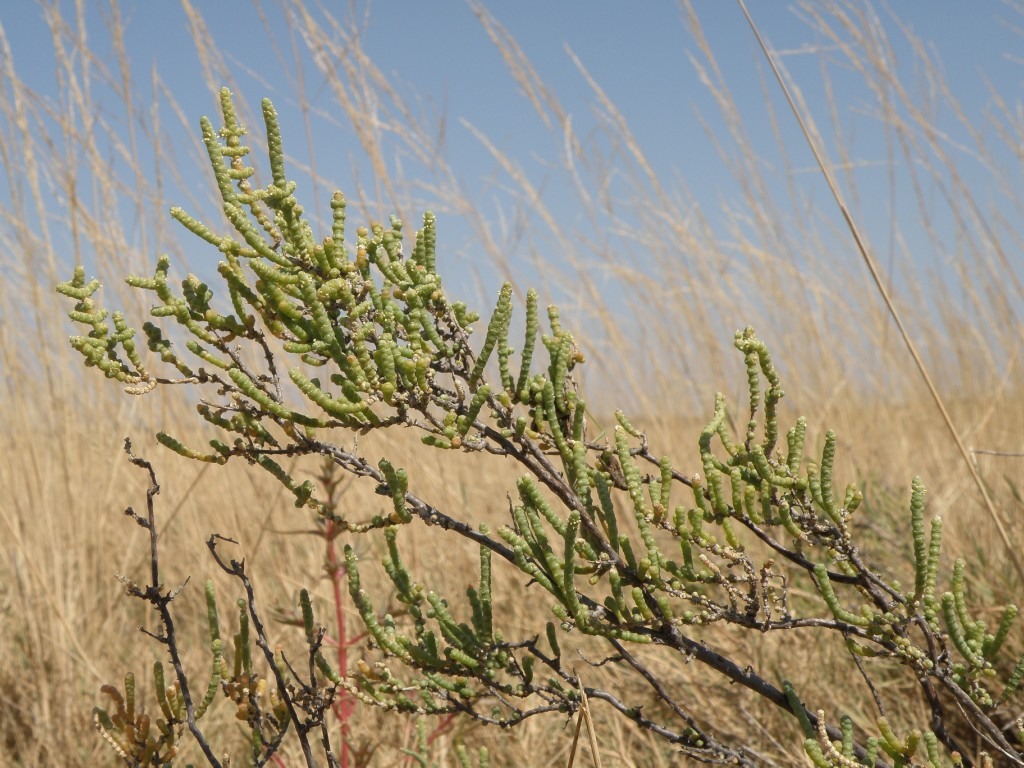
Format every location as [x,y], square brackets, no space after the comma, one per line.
[445,725]
[343,705]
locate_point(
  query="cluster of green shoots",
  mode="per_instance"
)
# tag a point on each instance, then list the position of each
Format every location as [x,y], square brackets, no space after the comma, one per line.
[140,740]
[316,338]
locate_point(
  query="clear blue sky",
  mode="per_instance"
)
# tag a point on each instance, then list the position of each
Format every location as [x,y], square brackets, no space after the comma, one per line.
[438,54]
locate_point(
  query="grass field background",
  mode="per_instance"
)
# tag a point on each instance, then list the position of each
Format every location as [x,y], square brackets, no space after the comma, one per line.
[655,319]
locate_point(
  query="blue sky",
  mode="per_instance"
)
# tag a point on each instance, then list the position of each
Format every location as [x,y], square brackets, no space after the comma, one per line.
[439,57]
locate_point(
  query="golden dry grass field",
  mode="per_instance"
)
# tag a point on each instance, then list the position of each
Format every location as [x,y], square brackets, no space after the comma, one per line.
[66,627]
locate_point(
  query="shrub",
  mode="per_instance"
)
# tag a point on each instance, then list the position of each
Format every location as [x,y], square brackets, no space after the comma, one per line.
[315,340]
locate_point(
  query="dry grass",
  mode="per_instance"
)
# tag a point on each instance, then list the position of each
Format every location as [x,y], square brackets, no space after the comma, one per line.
[688,279]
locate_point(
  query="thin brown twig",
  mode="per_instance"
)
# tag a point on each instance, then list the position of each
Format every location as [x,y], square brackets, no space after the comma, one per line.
[161,601]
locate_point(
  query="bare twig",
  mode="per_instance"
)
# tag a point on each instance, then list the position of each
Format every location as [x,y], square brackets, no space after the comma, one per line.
[160,600]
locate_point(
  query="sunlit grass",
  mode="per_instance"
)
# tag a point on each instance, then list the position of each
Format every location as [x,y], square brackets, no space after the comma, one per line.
[687,279]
